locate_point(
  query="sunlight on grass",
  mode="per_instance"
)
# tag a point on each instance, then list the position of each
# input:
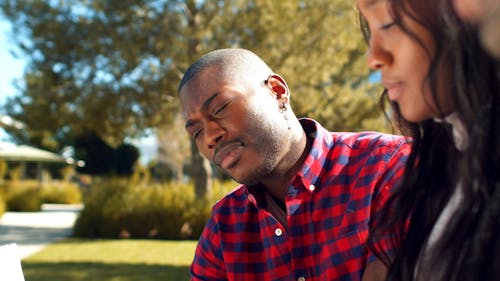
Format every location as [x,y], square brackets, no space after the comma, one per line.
[111,260]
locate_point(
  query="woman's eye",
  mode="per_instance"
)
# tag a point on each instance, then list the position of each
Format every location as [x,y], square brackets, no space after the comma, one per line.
[388,25]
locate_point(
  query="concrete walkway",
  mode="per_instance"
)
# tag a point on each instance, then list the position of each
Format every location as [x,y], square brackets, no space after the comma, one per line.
[32,231]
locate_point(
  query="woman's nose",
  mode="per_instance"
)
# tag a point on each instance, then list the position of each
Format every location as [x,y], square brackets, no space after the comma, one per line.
[377,56]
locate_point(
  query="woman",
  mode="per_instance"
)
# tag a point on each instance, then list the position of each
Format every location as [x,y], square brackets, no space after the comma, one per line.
[444,92]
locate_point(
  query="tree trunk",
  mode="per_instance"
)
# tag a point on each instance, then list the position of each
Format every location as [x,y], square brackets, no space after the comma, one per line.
[179,172]
[201,169]
[201,172]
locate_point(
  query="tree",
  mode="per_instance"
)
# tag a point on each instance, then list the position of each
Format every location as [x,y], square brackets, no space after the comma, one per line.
[174,146]
[126,156]
[112,67]
[102,159]
[99,157]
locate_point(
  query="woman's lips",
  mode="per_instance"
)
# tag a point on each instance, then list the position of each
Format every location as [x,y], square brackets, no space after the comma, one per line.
[394,89]
[227,155]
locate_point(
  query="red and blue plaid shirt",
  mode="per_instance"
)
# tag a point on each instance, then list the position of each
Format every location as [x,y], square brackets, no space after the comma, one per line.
[343,183]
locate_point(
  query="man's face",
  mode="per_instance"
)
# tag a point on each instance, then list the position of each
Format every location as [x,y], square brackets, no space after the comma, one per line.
[236,124]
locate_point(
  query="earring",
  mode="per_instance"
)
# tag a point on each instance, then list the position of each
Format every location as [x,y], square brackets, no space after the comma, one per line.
[283,110]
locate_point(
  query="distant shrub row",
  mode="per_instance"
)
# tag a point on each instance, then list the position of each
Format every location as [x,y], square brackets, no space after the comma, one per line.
[2,206]
[121,209]
[28,196]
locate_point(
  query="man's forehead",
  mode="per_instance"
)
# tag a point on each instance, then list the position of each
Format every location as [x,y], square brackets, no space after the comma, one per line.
[200,88]
[201,83]
[203,77]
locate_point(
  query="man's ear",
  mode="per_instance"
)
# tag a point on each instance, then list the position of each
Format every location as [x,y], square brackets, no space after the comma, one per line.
[279,87]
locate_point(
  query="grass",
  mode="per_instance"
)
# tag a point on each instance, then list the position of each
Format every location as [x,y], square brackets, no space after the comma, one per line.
[111,260]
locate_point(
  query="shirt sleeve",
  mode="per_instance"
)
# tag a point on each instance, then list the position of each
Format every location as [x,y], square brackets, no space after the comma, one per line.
[208,264]
[390,178]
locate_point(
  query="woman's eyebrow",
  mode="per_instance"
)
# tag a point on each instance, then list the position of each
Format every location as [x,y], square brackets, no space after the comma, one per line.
[370,3]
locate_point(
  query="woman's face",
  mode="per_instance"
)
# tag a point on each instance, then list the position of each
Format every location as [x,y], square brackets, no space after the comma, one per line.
[404,62]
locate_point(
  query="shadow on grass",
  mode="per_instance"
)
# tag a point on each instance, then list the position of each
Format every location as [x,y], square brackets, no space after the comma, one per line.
[34,271]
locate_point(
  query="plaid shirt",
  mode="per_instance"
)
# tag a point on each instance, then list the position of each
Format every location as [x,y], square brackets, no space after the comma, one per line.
[343,182]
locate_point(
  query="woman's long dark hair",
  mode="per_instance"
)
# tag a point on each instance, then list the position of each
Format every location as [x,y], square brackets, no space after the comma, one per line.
[469,248]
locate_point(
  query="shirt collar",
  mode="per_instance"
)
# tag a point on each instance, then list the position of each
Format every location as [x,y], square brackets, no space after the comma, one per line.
[313,164]
[460,136]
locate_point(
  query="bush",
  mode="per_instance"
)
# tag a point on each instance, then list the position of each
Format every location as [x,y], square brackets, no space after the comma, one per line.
[3,206]
[3,169]
[24,199]
[118,209]
[61,193]
[16,173]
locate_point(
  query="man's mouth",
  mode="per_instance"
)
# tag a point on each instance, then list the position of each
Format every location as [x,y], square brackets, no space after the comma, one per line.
[228,155]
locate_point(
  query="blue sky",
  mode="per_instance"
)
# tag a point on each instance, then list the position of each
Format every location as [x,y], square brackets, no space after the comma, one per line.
[10,67]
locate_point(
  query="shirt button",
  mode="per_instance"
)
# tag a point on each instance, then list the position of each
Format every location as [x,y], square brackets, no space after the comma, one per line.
[278,231]
[311,188]
[301,278]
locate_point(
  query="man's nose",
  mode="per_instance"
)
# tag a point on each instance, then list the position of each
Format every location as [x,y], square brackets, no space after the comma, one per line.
[214,134]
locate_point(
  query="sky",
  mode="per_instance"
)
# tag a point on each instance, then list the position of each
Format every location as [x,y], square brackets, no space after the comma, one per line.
[10,67]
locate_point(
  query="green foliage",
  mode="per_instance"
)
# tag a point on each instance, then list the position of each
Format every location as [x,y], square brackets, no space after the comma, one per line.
[141,175]
[67,171]
[318,48]
[29,195]
[3,206]
[3,169]
[119,209]
[16,172]
[61,193]
[24,198]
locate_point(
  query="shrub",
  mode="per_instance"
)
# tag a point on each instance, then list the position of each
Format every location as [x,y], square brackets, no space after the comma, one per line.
[3,206]
[61,193]
[119,209]
[16,173]
[3,169]
[67,171]
[24,199]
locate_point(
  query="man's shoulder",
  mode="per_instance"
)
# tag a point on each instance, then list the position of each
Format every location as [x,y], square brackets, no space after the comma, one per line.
[368,139]
[237,198]
[364,139]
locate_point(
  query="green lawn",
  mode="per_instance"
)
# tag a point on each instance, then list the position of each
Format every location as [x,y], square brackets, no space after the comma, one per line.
[111,260]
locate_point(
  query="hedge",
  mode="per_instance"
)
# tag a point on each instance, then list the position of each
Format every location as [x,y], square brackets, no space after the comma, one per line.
[121,209]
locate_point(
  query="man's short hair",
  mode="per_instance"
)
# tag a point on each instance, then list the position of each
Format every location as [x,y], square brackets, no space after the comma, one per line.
[232,63]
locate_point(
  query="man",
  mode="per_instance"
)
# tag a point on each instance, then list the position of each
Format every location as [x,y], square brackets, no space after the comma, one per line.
[307,196]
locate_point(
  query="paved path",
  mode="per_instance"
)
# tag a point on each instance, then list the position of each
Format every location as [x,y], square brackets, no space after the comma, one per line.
[32,231]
